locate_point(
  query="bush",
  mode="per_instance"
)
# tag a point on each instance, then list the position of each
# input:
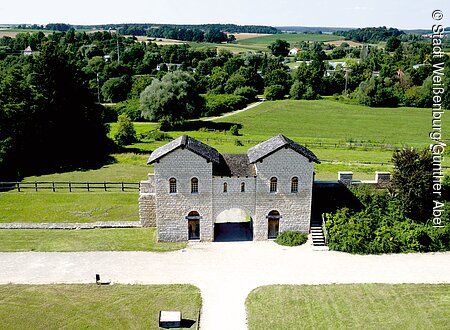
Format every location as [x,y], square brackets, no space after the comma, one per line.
[274,92]
[156,135]
[249,93]
[126,133]
[129,108]
[234,130]
[383,228]
[217,104]
[291,238]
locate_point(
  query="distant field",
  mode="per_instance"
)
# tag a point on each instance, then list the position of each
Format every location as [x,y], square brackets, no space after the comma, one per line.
[61,240]
[243,36]
[349,306]
[292,38]
[88,306]
[13,32]
[340,42]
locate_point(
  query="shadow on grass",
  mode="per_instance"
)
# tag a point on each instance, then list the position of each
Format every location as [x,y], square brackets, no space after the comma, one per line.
[195,125]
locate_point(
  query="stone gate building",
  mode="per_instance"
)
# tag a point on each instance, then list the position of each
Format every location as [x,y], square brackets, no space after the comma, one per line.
[193,183]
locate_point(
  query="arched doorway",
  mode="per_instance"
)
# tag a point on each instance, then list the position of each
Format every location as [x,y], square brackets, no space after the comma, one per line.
[193,219]
[233,225]
[273,224]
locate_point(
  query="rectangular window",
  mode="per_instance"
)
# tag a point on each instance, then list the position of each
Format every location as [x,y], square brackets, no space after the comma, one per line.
[194,186]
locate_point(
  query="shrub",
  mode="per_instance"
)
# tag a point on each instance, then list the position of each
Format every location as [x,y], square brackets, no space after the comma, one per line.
[291,238]
[130,108]
[217,104]
[274,92]
[234,130]
[125,133]
[156,135]
[249,93]
[238,143]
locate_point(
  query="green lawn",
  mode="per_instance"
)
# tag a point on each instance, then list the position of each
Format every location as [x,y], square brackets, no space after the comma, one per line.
[88,306]
[68,207]
[353,306]
[53,240]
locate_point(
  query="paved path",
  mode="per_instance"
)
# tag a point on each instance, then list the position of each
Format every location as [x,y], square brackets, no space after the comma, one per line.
[234,112]
[225,272]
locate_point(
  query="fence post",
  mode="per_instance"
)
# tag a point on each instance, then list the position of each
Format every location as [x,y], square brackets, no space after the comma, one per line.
[18,186]
[36,186]
[104,184]
[122,185]
[53,186]
[88,186]
[70,186]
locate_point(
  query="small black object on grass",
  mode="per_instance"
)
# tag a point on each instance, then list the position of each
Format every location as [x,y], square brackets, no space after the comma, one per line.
[99,282]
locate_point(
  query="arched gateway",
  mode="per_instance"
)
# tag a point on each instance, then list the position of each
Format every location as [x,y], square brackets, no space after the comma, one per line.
[194,188]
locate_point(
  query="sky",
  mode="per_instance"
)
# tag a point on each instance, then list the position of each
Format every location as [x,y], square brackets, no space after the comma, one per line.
[403,14]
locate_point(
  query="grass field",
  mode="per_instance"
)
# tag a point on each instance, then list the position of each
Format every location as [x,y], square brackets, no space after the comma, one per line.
[292,38]
[88,306]
[59,240]
[353,306]
[68,207]
[307,122]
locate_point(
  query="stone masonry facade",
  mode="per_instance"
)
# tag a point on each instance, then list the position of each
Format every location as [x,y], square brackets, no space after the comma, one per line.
[245,184]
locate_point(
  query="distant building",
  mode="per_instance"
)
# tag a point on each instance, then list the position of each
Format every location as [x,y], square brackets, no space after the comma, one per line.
[107,58]
[294,51]
[169,66]
[28,51]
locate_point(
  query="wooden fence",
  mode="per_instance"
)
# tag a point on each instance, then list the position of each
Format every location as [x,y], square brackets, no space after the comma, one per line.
[69,185]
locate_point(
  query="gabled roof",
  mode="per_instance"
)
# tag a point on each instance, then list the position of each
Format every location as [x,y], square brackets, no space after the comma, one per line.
[274,144]
[189,143]
[234,165]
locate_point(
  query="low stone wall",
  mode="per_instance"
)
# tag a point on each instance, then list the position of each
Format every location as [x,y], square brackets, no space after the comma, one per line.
[71,226]
[382,179]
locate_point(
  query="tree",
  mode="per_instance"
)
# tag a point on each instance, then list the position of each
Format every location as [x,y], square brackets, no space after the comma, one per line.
[412,179]
[274,92]
[116,89]
[279,47]
[279,77]
[126,133]
[392,44]
[172,99]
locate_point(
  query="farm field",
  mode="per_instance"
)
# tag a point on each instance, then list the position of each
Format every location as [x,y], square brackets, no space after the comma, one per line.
[292,38]
[83,306]
[62,240]
[349,306]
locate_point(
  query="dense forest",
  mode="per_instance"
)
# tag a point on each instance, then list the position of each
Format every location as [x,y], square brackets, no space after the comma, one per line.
[51,112]
[370,34]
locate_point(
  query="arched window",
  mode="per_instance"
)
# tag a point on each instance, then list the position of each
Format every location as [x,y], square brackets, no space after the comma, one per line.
[243,187]
[294,185]
[194,186]
[225,187]
[173,186]
[273,184]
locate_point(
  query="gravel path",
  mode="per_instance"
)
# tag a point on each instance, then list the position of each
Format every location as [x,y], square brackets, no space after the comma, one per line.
[225,272]
[234,112]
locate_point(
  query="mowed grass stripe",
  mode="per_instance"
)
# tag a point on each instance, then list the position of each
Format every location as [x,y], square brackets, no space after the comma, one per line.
[351,306]
[58,240]
[91,306]
[82,207]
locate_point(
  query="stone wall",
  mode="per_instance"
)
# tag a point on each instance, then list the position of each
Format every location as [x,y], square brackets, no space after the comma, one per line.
[172,209]
[294,208]
[382,179]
